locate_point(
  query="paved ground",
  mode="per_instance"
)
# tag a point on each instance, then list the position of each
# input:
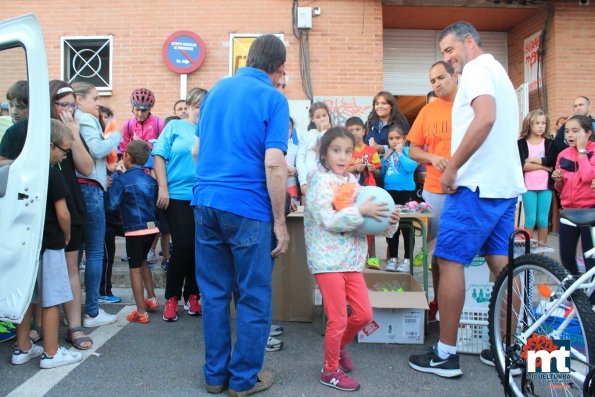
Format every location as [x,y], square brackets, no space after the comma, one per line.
[165,359]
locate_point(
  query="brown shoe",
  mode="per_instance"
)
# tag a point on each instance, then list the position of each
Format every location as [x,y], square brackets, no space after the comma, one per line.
[263,382]
[215,389]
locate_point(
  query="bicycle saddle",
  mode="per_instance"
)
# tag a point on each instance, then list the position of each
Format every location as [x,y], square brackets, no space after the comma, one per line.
[580,216]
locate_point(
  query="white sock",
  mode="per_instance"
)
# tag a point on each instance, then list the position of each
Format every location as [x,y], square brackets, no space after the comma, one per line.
[444,350]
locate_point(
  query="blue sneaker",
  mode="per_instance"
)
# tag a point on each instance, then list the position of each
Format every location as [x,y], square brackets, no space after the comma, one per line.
[109,299]
[164,265]
[7,331]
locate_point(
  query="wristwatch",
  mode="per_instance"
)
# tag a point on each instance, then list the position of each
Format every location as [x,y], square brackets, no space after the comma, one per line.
[582,151]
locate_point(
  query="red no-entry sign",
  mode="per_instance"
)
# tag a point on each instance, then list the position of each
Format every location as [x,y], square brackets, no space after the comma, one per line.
[183,52]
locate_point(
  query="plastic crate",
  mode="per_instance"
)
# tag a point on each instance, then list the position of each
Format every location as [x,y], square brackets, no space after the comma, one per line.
[535,248]
[473,336]
[573,331]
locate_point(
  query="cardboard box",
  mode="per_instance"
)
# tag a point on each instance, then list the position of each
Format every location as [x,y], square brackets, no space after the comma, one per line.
[398,316]
[293,284]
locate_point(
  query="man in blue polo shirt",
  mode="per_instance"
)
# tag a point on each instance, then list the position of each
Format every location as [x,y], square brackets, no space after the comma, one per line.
[239,211]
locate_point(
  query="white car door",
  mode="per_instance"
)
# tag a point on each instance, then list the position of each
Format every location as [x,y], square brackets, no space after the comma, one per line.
[23,180]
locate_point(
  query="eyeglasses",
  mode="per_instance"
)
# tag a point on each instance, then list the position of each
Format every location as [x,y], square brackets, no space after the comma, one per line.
[66,105]
[65,151]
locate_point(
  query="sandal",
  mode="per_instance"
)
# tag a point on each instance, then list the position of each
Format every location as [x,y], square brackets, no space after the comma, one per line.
[78,342]
[35,334]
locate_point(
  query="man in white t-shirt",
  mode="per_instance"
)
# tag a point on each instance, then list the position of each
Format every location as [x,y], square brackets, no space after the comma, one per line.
[483,180]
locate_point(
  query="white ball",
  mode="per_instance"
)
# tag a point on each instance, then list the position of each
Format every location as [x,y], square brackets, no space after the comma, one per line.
[371,225]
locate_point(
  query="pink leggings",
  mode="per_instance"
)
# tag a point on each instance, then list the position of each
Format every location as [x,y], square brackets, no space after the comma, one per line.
[337,290]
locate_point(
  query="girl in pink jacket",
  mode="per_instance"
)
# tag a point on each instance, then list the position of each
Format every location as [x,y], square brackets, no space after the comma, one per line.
[574,173]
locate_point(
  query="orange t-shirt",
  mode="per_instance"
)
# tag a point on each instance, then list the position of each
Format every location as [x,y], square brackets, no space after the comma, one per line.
[111,157]
[433,127]
[358,155]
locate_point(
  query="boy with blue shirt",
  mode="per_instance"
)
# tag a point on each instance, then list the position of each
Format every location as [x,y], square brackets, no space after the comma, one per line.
[135,193]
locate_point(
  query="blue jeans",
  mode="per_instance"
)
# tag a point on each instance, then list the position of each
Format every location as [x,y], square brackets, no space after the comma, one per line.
[231,249]
[93,239]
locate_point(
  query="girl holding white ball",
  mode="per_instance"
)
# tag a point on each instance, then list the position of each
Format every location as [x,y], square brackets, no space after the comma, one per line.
[336,252]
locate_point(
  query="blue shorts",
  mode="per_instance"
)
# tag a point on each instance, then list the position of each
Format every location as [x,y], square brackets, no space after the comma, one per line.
[471,225]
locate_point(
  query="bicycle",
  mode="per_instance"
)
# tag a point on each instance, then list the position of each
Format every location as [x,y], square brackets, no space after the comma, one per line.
[544,300]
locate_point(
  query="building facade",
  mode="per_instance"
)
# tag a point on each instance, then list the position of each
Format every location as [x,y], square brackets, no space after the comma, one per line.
[354,49]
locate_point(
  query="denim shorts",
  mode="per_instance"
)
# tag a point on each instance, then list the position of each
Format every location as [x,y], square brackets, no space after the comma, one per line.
[472,225]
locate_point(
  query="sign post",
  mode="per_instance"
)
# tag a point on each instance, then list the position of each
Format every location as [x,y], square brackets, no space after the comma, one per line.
[183,52]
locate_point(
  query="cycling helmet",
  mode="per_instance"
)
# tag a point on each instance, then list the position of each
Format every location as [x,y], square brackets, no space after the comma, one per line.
[142,98]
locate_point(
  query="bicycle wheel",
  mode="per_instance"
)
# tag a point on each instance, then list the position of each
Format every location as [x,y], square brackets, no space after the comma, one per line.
[538,283]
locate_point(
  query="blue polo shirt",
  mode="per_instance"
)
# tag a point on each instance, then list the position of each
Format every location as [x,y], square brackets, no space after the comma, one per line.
[240,118]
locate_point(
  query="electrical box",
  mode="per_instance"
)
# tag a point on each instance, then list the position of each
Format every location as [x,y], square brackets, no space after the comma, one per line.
[304,17]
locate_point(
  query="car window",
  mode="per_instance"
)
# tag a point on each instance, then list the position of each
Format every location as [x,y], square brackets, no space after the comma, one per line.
[14,102]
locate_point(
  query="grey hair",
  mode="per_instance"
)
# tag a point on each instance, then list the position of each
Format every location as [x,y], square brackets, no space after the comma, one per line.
[461,30]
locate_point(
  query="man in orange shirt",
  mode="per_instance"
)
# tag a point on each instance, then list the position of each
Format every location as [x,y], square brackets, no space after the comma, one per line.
[432,129]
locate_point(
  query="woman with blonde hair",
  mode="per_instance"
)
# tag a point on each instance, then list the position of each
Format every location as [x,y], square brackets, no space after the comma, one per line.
[174,169]
[538,159]
[93,187]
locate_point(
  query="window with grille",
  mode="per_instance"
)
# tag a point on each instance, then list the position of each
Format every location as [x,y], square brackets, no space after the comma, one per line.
[88,59]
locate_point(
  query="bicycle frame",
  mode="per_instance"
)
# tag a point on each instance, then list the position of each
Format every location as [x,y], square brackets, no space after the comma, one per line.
[585,282]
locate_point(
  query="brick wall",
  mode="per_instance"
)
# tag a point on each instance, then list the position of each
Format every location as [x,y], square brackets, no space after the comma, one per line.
[570,50]
[345,42]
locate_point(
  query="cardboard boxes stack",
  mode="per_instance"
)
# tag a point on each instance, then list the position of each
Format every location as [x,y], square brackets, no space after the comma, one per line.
[399,305]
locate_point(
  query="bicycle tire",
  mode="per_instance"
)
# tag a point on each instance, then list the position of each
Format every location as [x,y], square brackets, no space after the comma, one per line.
[540,267]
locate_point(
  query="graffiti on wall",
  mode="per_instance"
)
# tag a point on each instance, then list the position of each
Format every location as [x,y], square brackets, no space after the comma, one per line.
[344,107]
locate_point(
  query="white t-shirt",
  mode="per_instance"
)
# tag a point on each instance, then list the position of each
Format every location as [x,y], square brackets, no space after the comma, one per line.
[495,168]
[290,158]
[307,155]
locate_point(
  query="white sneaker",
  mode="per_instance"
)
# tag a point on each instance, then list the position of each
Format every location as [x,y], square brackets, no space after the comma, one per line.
[391,265]
[21,357]
[404,267]
[102,318]
[62,357]
[276,330]
[273,345]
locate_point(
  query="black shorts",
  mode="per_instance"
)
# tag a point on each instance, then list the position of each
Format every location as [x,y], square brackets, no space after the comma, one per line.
[76,238]
[163,226]
[137,248]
